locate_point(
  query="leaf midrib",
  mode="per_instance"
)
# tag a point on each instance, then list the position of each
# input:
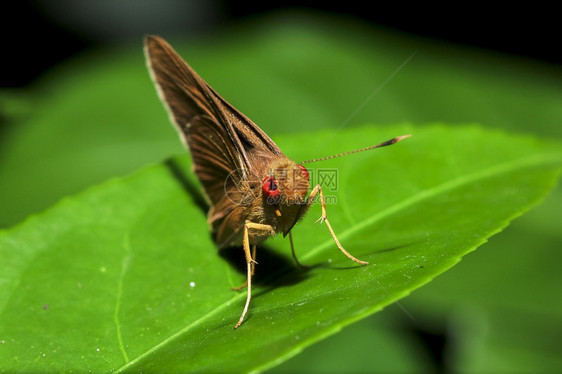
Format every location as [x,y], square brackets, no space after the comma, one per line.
[506,167]
[124,268]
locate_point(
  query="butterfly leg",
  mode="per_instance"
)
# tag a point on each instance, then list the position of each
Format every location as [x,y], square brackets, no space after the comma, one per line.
[293,252]
[254,262]
[250,261]
[318,190]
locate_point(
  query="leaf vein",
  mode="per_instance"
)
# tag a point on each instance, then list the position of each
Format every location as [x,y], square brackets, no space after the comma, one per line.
[124,269]
[505,167]
[179,333]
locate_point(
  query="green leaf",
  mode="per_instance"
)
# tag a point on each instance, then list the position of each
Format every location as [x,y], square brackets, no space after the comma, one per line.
[125,277]
[500,307]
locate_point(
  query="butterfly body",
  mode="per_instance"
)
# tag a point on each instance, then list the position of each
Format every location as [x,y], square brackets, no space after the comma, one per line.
[274,195]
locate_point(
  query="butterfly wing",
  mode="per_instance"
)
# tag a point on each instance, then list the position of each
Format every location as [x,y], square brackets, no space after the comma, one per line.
[222,141]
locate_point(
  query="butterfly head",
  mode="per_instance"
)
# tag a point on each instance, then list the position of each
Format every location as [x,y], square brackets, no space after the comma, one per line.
[285,184]
[284,191]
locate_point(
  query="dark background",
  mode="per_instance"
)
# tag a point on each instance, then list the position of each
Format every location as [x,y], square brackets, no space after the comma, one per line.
[40,33]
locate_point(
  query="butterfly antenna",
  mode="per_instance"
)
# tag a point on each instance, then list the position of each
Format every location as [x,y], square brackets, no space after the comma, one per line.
[383,144]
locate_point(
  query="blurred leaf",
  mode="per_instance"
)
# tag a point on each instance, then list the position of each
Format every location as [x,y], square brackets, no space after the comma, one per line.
[358,348]
[125,276]
[502,340]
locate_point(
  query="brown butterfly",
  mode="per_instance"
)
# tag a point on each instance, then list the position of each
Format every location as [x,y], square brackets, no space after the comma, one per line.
[253,189]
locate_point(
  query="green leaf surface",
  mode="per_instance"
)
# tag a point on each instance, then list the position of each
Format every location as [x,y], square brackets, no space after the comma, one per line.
[124,277]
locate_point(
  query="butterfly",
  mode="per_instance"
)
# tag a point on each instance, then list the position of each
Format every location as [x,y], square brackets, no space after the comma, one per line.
[254,191]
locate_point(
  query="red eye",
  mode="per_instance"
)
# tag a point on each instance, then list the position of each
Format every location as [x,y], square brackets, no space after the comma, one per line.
[269,187]
[304,171]
[270,190]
